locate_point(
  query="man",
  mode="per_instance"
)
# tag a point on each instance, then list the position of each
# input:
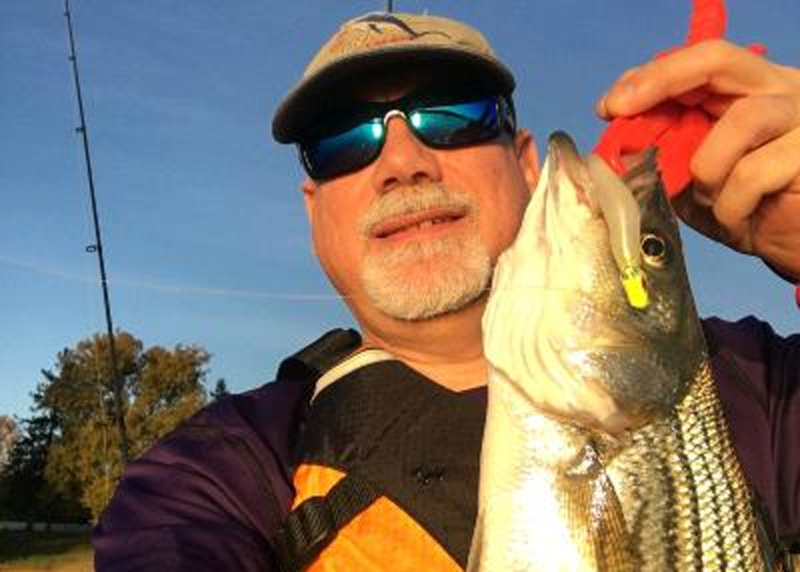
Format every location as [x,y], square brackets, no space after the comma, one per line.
[418,180]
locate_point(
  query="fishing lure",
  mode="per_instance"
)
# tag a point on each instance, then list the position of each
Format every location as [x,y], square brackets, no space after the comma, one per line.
[674,128]
[677,130]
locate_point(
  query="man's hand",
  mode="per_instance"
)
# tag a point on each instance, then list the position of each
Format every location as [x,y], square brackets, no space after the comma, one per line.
[747,171]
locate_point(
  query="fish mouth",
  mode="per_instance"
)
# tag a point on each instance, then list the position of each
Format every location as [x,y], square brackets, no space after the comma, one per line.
[610,199]
[429,221]
[568,162]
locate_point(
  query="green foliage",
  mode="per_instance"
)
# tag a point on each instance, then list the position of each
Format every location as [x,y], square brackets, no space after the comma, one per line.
[82,458]
[25,494]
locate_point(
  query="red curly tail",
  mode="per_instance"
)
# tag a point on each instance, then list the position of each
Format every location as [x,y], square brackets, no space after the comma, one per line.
[707,22]
[676,130]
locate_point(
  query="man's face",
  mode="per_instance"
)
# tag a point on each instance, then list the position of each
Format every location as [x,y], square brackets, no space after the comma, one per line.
[415,233]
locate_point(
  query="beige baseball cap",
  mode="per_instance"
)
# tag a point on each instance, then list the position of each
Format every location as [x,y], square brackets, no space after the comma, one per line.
[382,39]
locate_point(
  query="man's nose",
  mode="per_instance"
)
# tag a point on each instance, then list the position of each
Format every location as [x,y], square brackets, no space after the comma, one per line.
[404,159]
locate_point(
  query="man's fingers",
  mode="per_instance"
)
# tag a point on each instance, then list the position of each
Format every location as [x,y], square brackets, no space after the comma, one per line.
[601,108]
[717,65]
[772,167]
[748,124]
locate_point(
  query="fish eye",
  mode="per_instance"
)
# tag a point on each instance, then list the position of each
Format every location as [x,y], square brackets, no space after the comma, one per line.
[654,250]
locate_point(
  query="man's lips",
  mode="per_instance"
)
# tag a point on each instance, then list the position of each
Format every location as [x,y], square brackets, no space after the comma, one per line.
[396,226]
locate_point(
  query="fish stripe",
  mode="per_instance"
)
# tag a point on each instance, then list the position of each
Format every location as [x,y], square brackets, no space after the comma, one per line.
[688,503]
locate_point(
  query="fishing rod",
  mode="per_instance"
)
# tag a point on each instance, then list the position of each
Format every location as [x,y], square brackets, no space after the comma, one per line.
[97,247]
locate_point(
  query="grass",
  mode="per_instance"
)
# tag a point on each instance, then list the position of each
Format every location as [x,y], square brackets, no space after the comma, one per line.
[57,552]
[45,551]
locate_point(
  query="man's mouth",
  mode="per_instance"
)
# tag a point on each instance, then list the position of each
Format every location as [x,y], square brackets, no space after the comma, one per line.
[417,223]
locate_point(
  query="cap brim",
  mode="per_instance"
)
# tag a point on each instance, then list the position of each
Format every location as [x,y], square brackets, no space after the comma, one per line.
[298,109]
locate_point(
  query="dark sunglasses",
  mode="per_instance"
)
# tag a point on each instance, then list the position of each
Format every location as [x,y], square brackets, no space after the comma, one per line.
[353,140]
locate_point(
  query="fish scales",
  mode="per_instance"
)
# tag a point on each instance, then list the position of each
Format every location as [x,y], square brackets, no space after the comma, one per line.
[606,447]
[685,468]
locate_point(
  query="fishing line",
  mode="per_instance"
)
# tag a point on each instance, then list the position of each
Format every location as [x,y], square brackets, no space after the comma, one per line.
[163,287]
[194,289]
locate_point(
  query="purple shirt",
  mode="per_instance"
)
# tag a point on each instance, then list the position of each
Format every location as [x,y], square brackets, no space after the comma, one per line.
[210,495]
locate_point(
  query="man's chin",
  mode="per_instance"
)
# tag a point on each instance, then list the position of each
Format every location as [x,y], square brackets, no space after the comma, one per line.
[426,291]
[415,312]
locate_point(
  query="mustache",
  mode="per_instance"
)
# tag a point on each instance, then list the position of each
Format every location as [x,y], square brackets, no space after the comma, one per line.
[413,199]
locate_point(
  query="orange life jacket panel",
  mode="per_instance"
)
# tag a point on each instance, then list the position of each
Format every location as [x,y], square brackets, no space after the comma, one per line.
[387,477]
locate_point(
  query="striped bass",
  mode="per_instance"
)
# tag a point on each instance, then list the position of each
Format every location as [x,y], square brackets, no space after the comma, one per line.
[605,447]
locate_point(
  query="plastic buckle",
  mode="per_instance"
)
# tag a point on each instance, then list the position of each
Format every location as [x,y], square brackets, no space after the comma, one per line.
[308,529]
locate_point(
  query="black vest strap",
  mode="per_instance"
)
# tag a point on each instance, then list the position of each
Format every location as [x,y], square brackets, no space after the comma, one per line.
[309,363]
[314,523]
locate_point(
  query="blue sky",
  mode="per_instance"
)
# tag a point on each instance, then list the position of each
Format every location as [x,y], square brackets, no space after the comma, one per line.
[205,236]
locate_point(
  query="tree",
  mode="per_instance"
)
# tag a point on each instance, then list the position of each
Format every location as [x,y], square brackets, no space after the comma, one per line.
[8,433]
[160,388]
[220,390]
[24,491]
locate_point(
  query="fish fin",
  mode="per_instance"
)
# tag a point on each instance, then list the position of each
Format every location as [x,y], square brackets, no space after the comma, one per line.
[594,512]
[612,543]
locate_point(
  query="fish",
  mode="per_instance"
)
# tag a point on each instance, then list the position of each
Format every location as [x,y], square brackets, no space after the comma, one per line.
[606,447]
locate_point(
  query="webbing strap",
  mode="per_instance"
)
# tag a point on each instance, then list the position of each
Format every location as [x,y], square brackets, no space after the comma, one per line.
[314,523]
[312,361]
[352,363]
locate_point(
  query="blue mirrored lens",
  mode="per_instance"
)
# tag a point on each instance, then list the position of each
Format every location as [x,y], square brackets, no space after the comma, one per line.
[442,126]
[456,124]
[343,152]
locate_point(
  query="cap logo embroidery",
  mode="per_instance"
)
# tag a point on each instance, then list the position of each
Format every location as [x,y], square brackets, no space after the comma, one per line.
[375,30]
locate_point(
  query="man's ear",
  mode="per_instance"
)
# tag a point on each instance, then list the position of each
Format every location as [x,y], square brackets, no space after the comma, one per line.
[309,188]
[528,157]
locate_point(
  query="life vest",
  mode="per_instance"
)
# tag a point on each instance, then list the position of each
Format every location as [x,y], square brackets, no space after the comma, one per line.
[387,474]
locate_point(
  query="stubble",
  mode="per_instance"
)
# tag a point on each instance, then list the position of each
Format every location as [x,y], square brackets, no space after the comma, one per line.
[422,279]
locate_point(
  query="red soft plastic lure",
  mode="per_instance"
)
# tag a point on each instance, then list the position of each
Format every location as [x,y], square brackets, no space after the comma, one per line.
[677,130]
